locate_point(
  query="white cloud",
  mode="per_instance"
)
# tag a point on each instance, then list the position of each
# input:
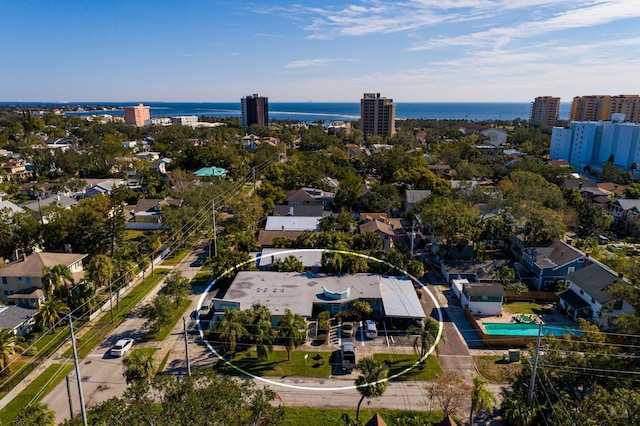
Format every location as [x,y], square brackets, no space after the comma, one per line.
[319,62]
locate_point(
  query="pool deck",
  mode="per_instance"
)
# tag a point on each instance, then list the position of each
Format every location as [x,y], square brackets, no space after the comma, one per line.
[554,317]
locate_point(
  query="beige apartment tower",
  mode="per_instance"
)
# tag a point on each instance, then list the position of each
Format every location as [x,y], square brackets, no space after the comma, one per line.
[602,107]
[377,115]
[545,111]
[137,115]
[629,105]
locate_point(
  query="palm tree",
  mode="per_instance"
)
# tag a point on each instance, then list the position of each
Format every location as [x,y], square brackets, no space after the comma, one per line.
[35,414]
[292,331]
[481,396]
[83,298]
[51,312]
[231,329]
[516,411]
[372,382]
[9,345]
[425,336]
[264,337]
[55,278]
[100,270]
[139,367]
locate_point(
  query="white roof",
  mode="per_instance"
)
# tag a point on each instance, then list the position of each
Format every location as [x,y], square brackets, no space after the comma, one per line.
[399,298]
[309,258]
[292,223]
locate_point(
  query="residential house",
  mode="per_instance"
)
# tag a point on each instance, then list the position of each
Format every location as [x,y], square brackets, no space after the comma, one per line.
[612,189]
[102,186]
[587,296]
[442,170]
[147,213]
[41,206]
[412,196]
[496,137]
[309,196]
[382,229]
[313,210]
[551,262]
[626,213]
[211,172]
[471,270]
[265,238]
[27,273]
[15,170]
[18,319]
[9,207]
[483,299]
[293,223]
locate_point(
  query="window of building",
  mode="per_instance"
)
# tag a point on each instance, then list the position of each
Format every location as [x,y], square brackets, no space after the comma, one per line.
[5,281]
[581,292]
[617,305]
[6,292]
[29,280]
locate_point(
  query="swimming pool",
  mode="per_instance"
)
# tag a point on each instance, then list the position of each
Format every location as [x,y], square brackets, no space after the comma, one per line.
[508,329]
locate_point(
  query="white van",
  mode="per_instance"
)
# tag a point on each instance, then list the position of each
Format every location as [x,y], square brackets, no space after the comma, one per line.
[370,329]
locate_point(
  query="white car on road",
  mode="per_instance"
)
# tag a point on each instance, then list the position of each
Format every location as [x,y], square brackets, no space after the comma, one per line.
[121,347]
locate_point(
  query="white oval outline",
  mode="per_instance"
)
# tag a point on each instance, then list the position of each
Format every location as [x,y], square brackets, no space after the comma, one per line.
[290,386]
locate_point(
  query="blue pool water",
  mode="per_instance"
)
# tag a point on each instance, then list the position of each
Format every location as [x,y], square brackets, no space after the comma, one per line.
[508,329]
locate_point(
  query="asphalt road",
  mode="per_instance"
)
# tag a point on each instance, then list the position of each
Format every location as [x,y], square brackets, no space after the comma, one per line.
[102,374]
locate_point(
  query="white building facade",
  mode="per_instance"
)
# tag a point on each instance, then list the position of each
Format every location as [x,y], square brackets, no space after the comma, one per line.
[585,143]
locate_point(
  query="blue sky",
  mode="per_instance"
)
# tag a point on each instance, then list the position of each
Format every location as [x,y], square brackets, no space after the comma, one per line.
[317,50]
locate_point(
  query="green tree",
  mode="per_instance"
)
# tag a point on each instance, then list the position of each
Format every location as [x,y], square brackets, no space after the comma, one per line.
[481,396]
[176,286]
[289,264]
[455,224]
[51,312]
[231,329]
[36,413]
[9,345]
[360,310]
[425,336]
[292,331]
[100,270]
[55,279]
[415,268]
[384,198]
[505,274]
[158,313]
[450,393]
[372,381]
[261,331]
[138,367]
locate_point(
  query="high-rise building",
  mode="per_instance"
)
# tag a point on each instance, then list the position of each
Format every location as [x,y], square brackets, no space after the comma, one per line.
[545,111]
[629,105]
[377,115]
[593,143]
[590,108]
[255,110]
[137,115]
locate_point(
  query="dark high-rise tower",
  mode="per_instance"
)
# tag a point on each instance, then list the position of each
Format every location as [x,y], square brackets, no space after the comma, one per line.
[377,115]
[255,110]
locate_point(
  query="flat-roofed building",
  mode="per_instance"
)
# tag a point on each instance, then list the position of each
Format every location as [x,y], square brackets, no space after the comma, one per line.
[308,294]
[545,111]
[137,115]
[377,115]
[255,110]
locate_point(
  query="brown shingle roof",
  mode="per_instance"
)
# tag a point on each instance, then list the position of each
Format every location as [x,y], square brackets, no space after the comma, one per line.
[376,226]
[32,266]
[265,238]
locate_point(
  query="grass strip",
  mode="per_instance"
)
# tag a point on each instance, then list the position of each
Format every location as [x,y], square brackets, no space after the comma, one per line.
[397,363]
[164,331]
[333,416]
[317,364]
[35,391]
[176,258]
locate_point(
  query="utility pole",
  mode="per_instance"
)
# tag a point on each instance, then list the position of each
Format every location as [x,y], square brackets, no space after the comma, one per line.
[69,397]
[186,346]
[78,377]
[413,236]
[534,368]
[215,234]
[110,301]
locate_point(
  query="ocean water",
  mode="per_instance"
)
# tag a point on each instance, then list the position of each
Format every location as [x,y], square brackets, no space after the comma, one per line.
[327,111]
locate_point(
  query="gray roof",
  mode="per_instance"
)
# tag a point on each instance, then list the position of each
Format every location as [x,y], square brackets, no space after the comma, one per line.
[594,279]
[485,289]
[299,291]
[573,300]
[32,265]
[309,258]
[13,208]
[415,195]
[626,204]
[12,316]
[59,199]
[311,210]
[555,255]
[292,223]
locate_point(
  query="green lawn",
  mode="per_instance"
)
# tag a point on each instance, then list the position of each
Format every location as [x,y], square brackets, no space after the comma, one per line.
[35,391]
[177,257]
[496,369]
[176,315]
[295,416]
[201,278]
[133,234]
[525,308]
[397,363]
[318,364]
[145,351]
